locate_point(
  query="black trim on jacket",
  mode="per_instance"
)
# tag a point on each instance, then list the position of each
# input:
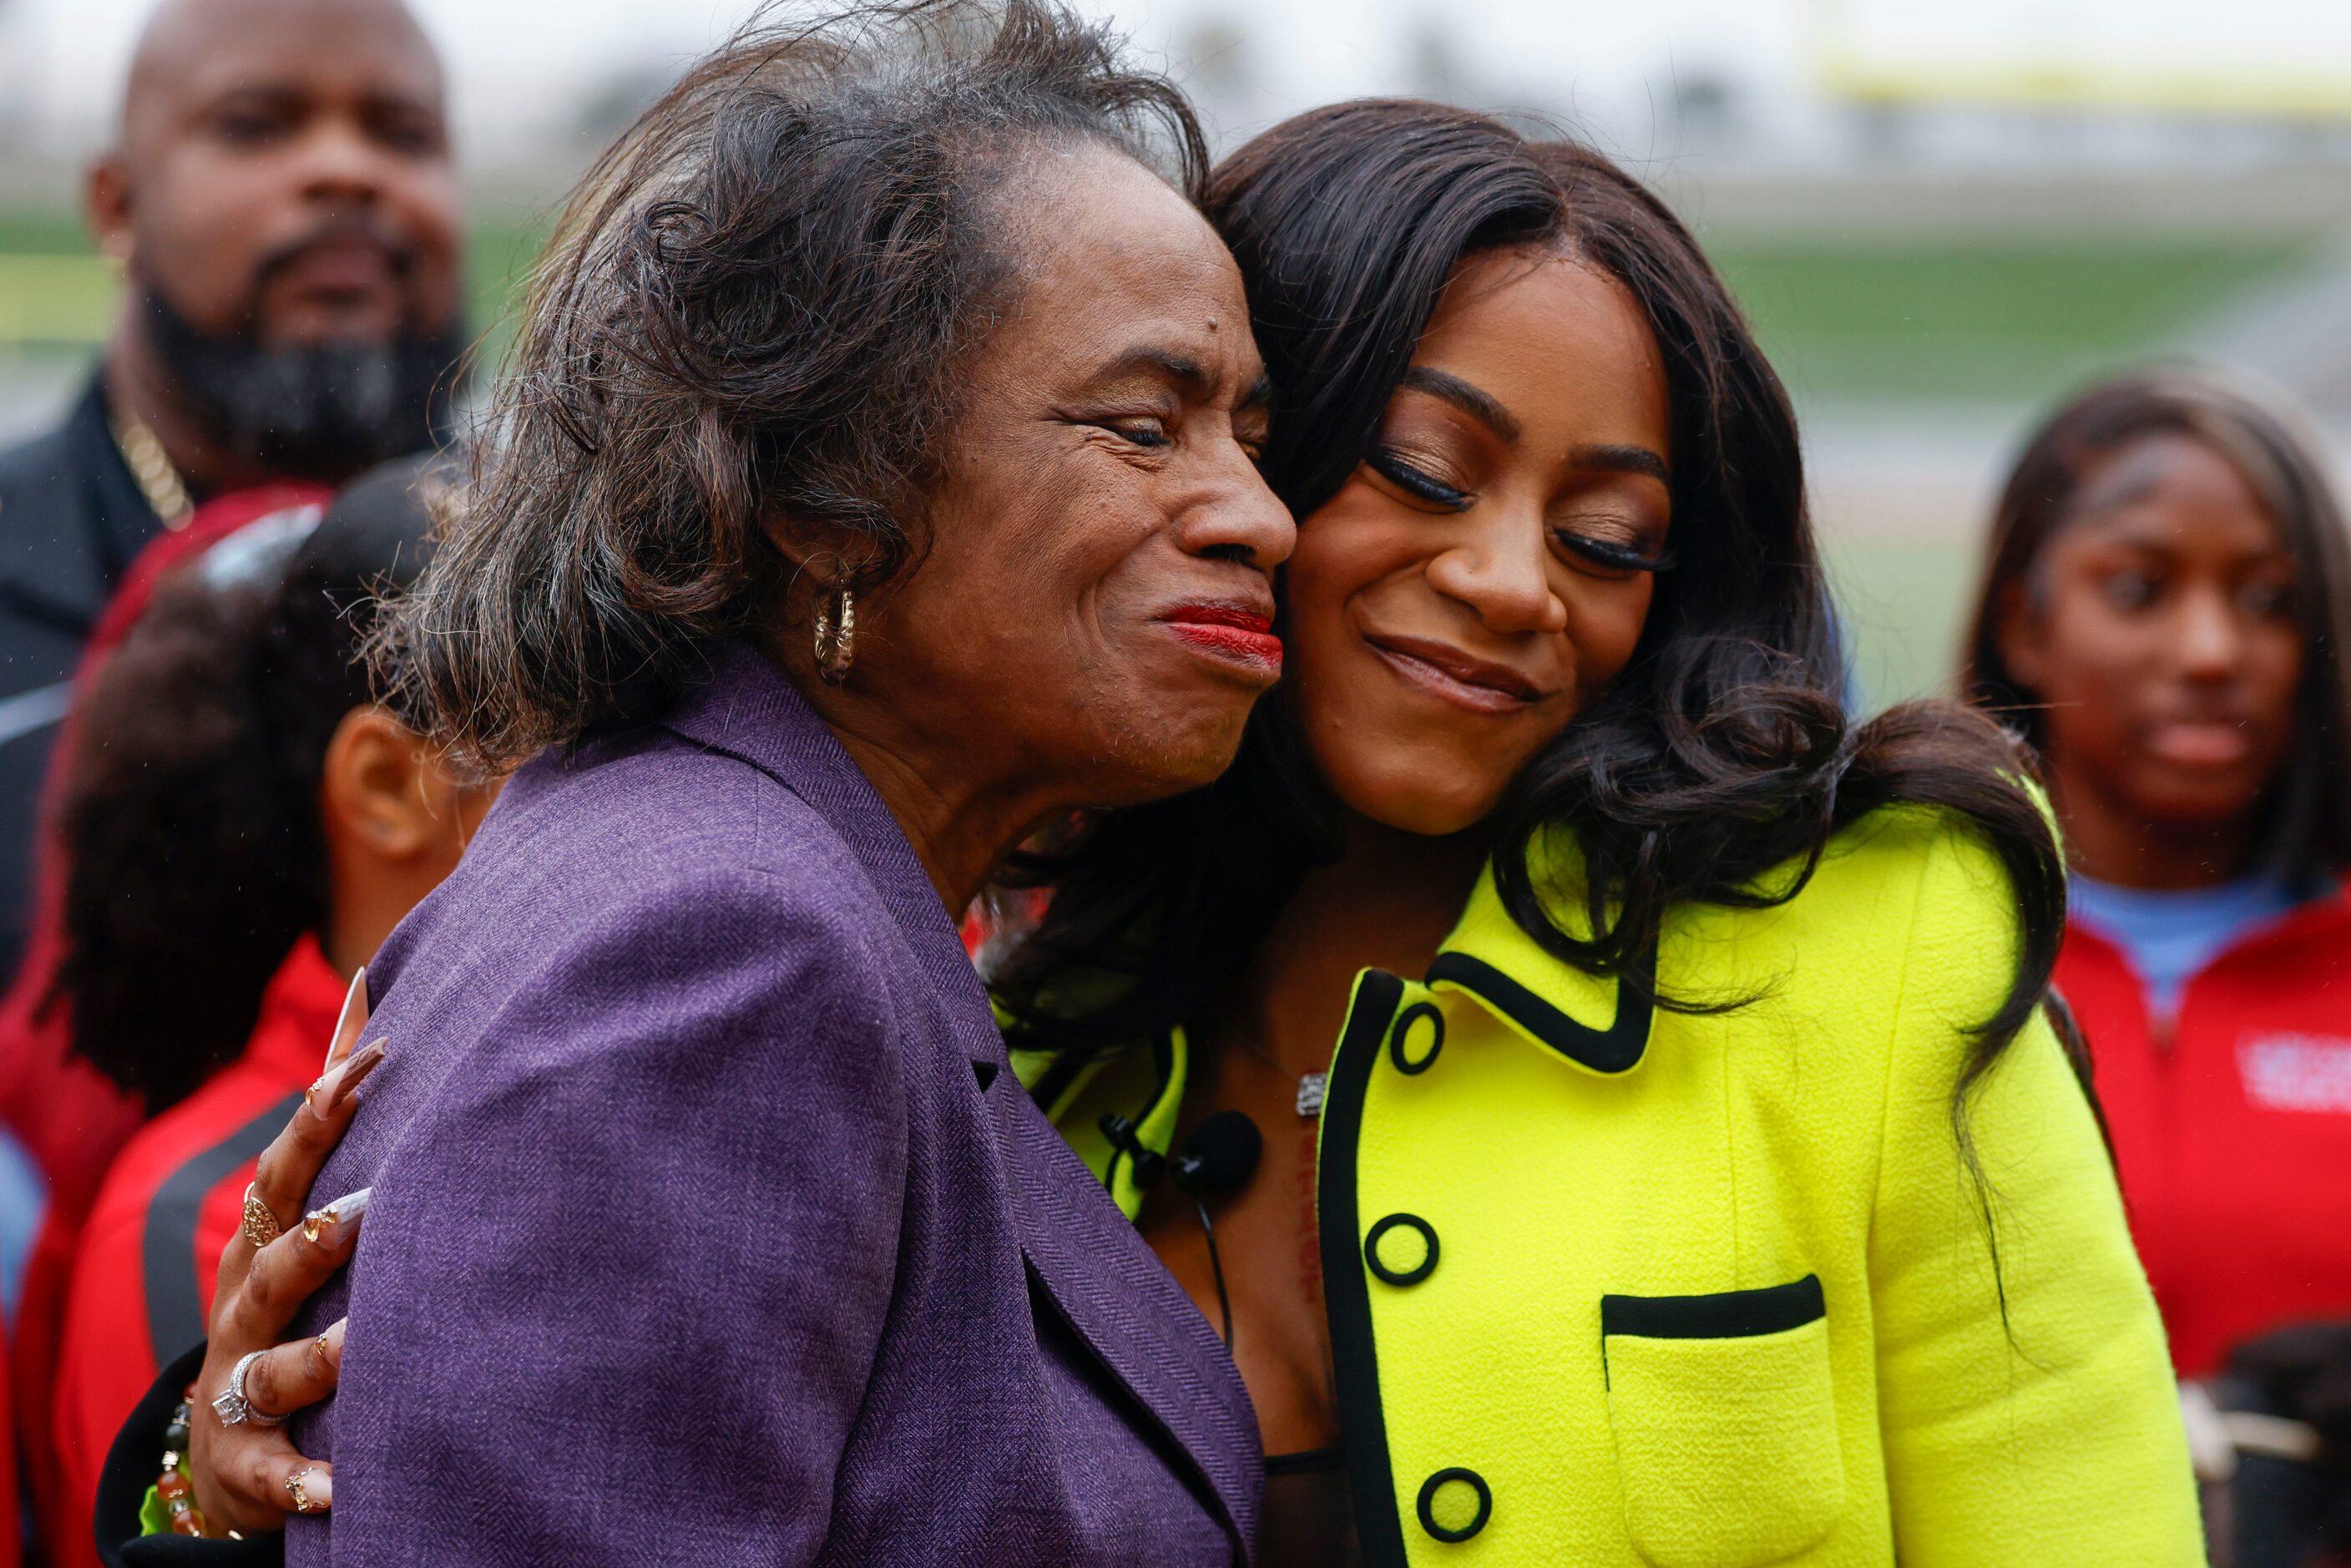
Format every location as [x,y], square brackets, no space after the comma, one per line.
[1728,1315]
[167,1250]
[1616,1048]
[1345,1293]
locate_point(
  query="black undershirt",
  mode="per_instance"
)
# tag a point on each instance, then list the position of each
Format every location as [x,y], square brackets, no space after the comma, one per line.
[1309,1512]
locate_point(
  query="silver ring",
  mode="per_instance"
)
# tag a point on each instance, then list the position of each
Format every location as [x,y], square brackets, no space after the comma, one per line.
[233,1407]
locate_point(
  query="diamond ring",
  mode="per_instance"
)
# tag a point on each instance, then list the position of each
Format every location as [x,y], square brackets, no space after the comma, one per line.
[233,1407]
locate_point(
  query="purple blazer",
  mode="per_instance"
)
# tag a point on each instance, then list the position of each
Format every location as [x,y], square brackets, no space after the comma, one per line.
[710,1225]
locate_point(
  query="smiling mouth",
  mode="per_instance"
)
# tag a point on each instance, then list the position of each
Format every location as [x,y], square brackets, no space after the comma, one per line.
[1453,677]
[1237,635]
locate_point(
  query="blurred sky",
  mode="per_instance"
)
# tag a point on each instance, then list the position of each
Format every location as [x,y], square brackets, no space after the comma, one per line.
[522,61]
[526,65]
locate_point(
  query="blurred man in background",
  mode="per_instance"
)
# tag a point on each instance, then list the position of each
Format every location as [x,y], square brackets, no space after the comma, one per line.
[282,207]
[281,204]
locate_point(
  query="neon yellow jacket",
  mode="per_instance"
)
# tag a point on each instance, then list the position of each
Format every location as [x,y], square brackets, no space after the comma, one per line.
[1611,1285]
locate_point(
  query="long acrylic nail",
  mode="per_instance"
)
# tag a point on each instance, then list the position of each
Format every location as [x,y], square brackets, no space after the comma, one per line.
[351,1073]
[350,1021]
[346,1210]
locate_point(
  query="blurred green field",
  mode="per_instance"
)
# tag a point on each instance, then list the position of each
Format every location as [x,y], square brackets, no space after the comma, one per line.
[1923,316]
[1901,607]
[1949,317]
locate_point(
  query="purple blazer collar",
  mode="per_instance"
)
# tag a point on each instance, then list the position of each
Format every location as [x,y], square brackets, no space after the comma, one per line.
[1091,1262]
[746,709]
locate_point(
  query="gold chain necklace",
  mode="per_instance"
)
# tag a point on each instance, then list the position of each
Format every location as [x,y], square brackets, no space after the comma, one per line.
[152,468]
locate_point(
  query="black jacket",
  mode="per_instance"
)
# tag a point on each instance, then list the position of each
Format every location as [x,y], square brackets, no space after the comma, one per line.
[71,520]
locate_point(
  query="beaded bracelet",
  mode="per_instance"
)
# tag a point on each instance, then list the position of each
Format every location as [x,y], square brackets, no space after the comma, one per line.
[168,1507]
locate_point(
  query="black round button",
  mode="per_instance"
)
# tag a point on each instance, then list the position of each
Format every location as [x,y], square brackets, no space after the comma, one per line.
[1442,1478]
[1409,1065]
[1414,1275]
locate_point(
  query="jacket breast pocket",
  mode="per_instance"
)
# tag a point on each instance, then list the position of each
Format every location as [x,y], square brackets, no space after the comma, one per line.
[1725,1421]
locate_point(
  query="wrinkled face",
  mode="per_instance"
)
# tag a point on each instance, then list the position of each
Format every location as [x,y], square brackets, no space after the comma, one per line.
[1096,605]
[2157,626]
[286,176]
[1486,573]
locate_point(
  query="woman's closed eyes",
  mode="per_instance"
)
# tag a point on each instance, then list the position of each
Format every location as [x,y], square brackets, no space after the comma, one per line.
[1613,555]
[1149,432]
[1417,482]
[1610,545]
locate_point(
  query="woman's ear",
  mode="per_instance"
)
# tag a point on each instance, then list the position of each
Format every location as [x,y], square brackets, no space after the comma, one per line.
[2020,633]
[380,792]
[805,602]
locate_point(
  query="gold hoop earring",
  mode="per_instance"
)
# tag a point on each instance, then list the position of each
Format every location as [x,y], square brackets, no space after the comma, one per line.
[836,635]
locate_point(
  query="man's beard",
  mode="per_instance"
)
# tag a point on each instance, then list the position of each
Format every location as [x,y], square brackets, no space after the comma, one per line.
[309,410]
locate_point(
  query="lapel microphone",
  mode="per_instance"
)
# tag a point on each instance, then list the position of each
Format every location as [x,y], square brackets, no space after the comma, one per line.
[1220,1155]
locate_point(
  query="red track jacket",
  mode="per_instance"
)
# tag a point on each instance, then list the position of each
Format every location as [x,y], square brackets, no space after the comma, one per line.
[2232,1125]
[142,1282]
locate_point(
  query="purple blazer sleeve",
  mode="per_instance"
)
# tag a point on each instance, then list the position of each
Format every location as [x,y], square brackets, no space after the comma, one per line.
[626,1266]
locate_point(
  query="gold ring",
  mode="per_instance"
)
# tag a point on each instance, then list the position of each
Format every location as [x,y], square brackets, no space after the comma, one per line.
[261,1226]
[297,1486]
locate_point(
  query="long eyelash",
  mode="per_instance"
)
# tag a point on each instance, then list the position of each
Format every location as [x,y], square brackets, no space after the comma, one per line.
[1623,558]
[1412,482]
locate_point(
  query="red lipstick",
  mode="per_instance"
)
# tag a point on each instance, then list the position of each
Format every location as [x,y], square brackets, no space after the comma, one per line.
[1245,636]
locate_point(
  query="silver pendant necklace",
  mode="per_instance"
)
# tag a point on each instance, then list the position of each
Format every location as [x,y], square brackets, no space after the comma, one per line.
[1310,1095]
[1311,1085]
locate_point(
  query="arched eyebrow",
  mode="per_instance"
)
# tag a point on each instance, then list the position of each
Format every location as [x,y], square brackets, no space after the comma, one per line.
[1487,410]
[1475,402]
[1616,459]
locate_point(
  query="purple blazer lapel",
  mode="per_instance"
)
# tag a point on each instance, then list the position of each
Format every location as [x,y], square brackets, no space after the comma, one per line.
[1122,1302]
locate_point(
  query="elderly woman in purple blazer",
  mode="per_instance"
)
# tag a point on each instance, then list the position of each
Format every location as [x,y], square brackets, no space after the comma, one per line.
[874,483]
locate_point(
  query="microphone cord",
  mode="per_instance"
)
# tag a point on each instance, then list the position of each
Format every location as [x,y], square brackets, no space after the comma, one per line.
[1220,1156]
[1215,1267]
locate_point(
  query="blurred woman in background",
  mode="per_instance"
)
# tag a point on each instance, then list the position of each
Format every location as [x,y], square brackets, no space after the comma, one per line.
[243,827]
[2165,618]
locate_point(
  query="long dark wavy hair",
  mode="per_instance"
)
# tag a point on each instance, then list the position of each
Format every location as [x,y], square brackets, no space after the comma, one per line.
[747,326]
[2309,811]
[195,849]
[1723,752]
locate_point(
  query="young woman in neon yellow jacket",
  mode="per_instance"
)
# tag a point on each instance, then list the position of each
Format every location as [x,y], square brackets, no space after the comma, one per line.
[1667,1159]
[1696,1180]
